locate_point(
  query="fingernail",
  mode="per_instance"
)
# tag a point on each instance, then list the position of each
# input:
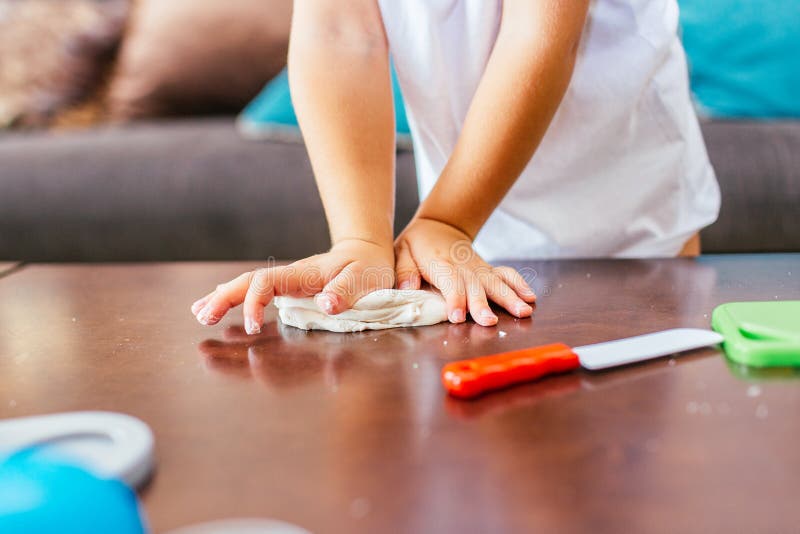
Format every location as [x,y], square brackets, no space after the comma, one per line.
[458,316]
[205,317]
[198,305]
[486,313]
[523,309]
[251,326]
[405,284]
[325,302]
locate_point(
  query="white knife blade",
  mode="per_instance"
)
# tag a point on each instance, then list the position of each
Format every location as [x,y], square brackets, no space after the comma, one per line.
[644,347]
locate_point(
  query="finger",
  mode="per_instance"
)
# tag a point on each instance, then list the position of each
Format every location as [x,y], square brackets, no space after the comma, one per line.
[223,299]
[333,297]
[476,301]
[304,278]
[350,284]
[445,277]
[259,294]
[200,303]
[500,292]
[515,281]
[406,268]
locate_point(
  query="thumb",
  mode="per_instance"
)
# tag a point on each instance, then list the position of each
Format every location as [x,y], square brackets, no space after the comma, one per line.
[352,283]
[408,276]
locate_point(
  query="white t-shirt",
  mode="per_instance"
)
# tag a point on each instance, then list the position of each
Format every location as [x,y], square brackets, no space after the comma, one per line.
[622,170]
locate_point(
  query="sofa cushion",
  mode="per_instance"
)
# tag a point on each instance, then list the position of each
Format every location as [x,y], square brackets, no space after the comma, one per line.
[175,190]
[743,56]
[54,55]
[198,56]
[191,190]
[758,168]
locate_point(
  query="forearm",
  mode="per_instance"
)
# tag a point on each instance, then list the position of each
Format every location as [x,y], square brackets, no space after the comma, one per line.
[523,84]
[341,89]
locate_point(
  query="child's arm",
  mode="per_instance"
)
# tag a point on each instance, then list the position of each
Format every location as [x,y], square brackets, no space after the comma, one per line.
[341,88]
[525,79]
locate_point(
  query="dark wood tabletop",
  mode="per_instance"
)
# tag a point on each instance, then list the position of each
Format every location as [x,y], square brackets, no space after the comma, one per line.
[6,267]
[354,433]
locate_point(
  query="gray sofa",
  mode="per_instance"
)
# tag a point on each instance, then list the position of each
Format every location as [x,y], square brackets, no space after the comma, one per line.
[194,190]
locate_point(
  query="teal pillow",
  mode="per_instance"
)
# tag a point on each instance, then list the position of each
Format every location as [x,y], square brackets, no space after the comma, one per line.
[744,56]
[271,114]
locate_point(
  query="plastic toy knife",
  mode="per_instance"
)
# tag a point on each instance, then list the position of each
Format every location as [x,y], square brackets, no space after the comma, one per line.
[470,378]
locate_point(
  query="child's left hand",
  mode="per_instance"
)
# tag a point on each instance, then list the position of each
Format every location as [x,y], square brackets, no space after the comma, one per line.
[443,256]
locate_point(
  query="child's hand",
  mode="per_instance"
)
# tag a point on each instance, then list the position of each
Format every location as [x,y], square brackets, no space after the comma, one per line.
[338,278]
[443,255]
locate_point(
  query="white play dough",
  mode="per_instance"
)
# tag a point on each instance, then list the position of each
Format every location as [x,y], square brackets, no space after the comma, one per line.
[385,308]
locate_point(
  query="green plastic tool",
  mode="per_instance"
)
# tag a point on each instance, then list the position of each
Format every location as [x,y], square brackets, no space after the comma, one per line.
[760,334]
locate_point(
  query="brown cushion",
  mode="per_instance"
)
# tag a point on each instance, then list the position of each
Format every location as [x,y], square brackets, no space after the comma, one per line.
[53,55]
[198,56]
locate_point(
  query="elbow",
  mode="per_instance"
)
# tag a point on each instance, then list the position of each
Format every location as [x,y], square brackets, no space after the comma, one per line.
[355,39]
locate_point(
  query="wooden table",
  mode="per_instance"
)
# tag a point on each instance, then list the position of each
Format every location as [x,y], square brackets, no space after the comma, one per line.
[353,433]
[6,267]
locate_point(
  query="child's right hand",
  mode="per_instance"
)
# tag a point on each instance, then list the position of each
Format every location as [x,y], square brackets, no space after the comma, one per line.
[338,278]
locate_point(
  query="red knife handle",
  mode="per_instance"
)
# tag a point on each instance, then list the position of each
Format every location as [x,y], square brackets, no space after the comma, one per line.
[469,378]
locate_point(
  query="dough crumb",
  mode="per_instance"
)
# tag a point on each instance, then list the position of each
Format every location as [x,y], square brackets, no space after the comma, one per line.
[753,391]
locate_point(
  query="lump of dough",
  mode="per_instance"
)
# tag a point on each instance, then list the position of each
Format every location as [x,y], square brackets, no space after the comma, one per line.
[385,308]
